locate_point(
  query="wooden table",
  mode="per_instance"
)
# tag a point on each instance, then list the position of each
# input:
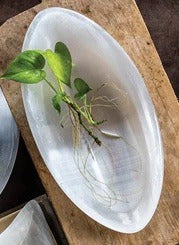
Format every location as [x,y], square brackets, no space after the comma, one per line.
[122,19]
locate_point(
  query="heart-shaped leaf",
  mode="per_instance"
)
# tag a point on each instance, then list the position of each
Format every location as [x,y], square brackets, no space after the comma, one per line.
[60,62]
[26,68]
[57,100]
[82,88]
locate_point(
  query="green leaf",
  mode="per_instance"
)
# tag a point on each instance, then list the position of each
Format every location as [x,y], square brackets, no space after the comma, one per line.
[65,56]
[82,88]
[26,68]
[57,100]
[60,62]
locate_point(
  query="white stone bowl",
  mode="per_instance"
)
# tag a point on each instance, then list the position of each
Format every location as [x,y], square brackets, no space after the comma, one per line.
[119,184]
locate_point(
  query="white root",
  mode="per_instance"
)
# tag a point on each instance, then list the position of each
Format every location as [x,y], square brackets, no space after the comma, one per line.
[107,193]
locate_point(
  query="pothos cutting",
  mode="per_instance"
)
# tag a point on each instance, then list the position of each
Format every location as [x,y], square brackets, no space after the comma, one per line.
[28,68]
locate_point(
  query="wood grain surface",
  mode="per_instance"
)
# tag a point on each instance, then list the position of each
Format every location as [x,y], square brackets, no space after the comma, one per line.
[122,19]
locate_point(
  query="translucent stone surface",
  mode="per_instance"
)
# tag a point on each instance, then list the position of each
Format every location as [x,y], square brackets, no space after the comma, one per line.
[9,141]
[28,228]
[119,183]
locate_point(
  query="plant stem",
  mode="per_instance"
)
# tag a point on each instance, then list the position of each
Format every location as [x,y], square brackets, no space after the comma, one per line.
[51,85]
[79,112]
[60,86]
[76,108]
[89,131]
[86,109]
